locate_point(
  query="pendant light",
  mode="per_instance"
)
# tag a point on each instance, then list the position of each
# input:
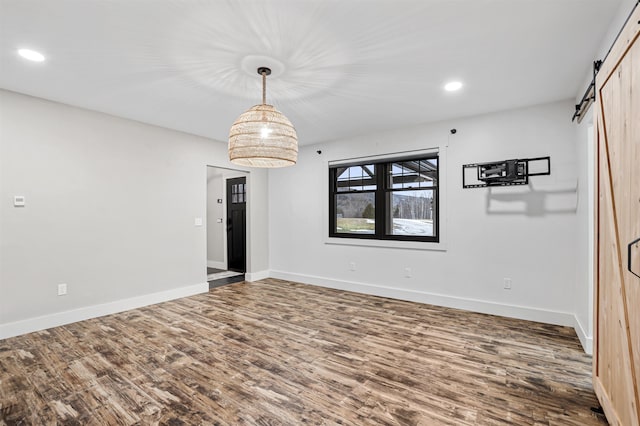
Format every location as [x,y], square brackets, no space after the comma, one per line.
[263,136]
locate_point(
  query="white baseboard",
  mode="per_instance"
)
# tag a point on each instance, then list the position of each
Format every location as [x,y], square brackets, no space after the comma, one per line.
[256,276]
[61,318]
[474,305]
[216,264]
[585,340]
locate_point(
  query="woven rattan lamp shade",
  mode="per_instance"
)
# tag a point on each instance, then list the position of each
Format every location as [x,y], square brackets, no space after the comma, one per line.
[263,136]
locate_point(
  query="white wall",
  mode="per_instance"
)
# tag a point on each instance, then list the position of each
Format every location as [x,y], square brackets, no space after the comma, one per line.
[585,152]
[258,201]
[527,234]
[110,209]
[215,212]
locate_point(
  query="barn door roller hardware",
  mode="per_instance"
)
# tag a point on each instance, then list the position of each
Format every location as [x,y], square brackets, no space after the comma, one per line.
[589,96]
[504,173]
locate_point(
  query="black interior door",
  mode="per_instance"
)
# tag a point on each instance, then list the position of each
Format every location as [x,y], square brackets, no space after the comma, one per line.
[236,224]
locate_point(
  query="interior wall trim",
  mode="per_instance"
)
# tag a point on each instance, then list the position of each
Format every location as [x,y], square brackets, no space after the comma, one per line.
[256,276]
[61,318]
[585,340]
[474,305]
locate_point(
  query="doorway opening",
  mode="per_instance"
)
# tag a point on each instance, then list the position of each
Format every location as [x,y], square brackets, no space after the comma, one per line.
[226,226]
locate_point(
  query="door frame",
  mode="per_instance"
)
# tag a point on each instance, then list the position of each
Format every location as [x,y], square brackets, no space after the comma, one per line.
[226,173]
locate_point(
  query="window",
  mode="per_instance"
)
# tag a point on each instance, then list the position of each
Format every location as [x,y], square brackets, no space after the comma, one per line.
[238,193]
[391,200]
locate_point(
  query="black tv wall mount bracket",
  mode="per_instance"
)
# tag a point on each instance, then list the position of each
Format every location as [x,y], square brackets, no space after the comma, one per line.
[504,173]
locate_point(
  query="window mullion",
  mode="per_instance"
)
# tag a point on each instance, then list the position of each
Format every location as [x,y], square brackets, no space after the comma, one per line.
[333,174]
[380,200]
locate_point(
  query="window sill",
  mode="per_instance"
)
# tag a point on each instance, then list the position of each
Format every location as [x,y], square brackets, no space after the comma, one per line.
[394,244]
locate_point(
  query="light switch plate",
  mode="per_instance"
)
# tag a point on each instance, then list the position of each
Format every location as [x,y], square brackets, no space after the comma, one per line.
[62,289]
[198,221]
[18,201]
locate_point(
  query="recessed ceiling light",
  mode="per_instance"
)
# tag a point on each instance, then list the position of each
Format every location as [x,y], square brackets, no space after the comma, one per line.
[452,86]
[31,55]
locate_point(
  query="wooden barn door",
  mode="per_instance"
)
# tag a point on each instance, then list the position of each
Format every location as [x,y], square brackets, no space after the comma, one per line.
[616,362]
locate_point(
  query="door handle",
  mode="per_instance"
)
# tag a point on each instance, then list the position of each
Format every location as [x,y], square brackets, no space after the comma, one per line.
[629,255]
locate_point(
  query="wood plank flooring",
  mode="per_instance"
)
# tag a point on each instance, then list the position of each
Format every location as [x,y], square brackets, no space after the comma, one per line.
[280,353]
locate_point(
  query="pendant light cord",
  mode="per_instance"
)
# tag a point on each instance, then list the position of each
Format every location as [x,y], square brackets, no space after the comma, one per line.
[264,87]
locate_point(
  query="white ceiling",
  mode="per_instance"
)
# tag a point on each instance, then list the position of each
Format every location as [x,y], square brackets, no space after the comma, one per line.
[341,67]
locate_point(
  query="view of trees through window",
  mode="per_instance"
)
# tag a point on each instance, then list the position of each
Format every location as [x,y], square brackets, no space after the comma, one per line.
[356,213]
[412,213]
[391,200]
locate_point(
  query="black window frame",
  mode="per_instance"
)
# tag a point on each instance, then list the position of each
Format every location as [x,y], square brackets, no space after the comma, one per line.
[382,191]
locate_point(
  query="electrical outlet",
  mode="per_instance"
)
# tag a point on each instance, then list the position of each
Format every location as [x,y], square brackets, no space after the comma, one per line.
[507,283]
[62,289]
[18,201]
[352,266]
[407,272]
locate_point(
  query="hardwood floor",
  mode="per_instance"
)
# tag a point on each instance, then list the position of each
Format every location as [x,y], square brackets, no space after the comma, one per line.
[275,352]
